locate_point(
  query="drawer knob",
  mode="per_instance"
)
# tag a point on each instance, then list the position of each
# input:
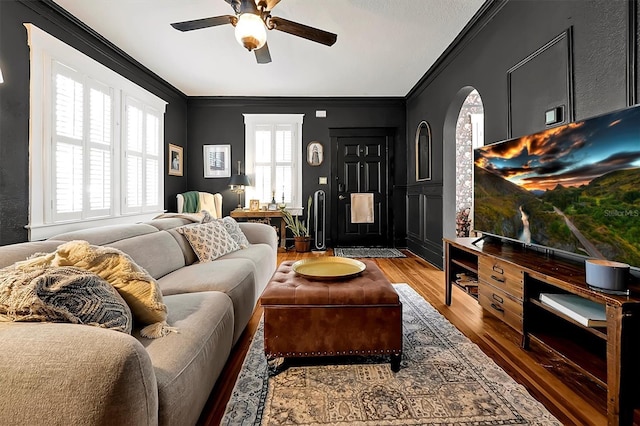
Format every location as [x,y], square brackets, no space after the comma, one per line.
[498,269]
[497,298]
[500,280]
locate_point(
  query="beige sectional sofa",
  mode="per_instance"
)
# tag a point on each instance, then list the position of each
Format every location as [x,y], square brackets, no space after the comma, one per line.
[66,374]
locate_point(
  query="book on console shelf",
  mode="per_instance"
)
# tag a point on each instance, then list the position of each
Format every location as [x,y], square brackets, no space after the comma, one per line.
[468,282]
[584,311]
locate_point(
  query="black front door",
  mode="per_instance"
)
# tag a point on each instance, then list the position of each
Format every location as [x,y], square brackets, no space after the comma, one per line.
[361,167]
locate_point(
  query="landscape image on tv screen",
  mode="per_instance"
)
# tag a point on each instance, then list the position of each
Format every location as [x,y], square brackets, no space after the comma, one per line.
[574,188]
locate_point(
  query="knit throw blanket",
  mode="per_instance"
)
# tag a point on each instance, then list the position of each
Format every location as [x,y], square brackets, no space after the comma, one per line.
[61,294]
[133,283]
[191,202]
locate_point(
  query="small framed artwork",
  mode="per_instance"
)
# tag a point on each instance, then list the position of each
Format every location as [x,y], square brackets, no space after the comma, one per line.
[254,205]
[273,207]
[217,161]
[175,160]
[315,154]
[423,151]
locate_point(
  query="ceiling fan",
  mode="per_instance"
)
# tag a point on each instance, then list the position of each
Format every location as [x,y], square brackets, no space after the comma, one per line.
[252,19]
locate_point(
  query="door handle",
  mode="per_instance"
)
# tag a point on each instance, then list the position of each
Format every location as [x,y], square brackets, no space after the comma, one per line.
[341,197]
[497,308]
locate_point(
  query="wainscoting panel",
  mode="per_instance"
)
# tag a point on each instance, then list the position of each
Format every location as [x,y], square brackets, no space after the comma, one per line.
[432,234]
[414,225]
[424,229]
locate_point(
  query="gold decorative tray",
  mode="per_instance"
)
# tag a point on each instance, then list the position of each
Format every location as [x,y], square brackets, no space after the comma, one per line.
[328,268]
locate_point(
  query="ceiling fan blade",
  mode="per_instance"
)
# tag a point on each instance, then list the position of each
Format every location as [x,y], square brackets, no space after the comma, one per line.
[304,31]
[262,55]
[197,24]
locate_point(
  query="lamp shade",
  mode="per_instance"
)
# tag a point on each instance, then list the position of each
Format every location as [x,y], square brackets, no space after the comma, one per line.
[239,180]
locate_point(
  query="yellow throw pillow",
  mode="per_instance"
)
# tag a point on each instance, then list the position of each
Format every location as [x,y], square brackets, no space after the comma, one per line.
[133,283]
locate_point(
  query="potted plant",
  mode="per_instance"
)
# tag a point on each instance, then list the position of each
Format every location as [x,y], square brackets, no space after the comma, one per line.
[299,228]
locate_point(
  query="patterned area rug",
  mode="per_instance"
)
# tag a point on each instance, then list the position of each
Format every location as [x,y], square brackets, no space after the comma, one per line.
[367,252]
[444,379]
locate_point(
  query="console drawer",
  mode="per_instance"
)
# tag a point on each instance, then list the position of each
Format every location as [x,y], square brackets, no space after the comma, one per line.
[501,305]
[502,275]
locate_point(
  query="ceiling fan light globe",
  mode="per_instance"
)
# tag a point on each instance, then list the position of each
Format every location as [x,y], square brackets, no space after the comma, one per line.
[250,31]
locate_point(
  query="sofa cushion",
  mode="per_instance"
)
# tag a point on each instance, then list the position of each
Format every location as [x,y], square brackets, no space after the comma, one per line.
[259,233]
[234,277]
[187,251]
[102,235]
[63,374]
[264,260]
[61,294]
[188,363]
[209,240]
[13,253]
[157,253]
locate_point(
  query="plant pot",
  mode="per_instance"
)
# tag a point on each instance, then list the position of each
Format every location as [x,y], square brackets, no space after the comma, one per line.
[302,244]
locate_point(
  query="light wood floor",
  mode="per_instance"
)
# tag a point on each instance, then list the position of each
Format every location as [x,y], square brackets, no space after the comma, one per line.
[564,394]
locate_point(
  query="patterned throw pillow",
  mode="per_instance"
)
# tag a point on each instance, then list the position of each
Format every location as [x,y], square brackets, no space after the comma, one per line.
[62,294]
[234,230]
[209,240]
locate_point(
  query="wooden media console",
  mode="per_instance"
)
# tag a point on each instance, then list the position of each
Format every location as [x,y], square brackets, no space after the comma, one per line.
[510,279]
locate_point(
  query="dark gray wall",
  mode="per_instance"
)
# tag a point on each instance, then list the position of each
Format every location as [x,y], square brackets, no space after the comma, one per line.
[597,64]
[215,121]
[14,102]
[601,65]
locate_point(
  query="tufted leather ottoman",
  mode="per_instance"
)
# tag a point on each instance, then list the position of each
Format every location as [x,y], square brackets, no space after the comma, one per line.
[307,318]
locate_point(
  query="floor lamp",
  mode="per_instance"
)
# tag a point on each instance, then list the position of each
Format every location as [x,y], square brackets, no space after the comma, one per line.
[238,183]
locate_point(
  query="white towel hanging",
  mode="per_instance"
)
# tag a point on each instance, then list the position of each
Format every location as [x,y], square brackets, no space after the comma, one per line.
[362,207]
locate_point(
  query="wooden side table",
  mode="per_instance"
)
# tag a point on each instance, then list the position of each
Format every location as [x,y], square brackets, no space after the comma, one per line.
[265,214]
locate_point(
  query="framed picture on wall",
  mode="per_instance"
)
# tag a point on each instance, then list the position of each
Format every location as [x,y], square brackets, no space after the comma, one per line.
[315,154]
[175,160]
[423,151]
[217,161]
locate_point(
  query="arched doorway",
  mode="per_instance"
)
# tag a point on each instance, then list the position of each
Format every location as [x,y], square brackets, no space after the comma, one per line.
[450,155]
[469,135]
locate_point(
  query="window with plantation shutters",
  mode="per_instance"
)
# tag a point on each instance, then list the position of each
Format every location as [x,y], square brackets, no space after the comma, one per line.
[81,146]
[142,157]
[96,143]
[273,150]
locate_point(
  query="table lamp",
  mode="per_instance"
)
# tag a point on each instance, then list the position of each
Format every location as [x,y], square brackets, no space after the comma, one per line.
[238,183]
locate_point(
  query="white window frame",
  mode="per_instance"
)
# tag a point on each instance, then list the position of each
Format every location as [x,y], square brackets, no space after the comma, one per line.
[251,121]
[144,155]
[44,50]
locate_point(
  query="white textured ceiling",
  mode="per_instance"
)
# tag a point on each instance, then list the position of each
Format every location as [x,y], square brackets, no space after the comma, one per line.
[384,46]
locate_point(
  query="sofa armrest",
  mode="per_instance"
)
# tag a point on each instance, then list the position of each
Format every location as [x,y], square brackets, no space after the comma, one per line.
[258,233]
[54,373]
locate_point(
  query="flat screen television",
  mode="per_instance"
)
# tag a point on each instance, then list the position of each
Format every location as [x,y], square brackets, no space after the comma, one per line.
[573,188]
